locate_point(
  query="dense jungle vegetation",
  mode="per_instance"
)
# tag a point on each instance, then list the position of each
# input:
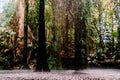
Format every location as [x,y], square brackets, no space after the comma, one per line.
[59,34]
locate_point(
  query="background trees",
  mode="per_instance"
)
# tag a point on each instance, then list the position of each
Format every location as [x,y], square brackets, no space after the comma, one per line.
[75,33]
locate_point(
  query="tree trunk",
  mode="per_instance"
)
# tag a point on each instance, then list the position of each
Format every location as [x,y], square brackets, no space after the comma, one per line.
[42,64]
[80,40]
[112,27]
[25,53]
[66,26]
[54,32]
[80,45]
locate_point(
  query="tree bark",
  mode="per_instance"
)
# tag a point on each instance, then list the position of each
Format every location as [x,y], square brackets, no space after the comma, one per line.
[54,32]
[80,45]
[80,39]
[25,53]
[42,64]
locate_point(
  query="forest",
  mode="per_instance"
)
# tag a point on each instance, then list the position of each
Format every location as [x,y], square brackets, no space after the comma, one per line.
[43,35]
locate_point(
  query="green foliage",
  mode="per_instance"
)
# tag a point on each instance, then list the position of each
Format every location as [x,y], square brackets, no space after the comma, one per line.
[6,49]
[115,34]
[33,18]
[52,63]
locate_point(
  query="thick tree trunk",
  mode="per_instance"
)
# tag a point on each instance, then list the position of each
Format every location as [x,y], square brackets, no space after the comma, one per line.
[80,40]
[66,25]
[112,29]
[42,64]
[54,32]
[80,44]
[20,14]
[25,53]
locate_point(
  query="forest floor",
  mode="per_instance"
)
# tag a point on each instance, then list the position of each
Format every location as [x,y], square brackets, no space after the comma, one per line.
[86,74]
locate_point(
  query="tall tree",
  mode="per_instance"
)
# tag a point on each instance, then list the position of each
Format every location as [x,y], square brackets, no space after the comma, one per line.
[80,35]
[55,43]
[42,64]
[66,27]
[25,64]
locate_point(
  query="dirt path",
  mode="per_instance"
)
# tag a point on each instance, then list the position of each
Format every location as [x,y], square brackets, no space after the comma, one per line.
[87,74]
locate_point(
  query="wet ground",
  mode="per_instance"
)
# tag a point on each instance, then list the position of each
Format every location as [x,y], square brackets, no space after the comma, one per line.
[87,74]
